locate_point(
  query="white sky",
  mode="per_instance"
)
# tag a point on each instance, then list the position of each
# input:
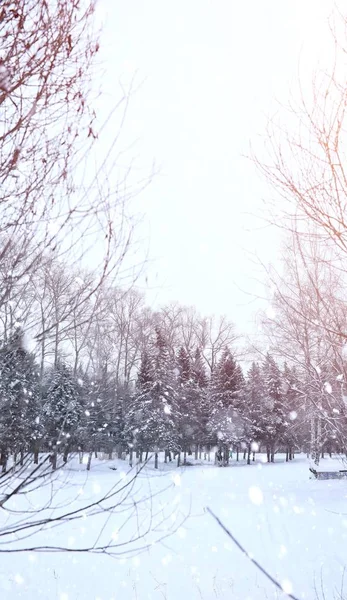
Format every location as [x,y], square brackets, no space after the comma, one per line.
[212,72]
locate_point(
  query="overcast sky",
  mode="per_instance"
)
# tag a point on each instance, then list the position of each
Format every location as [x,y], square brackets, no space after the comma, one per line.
[212,72]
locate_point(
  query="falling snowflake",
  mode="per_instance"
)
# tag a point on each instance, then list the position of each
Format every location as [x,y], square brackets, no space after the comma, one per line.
[328,388]
[293,415]
[287,586]
[177,479]
[96,488]
[256,495]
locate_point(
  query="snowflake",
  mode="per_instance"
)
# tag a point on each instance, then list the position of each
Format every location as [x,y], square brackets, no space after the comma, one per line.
[287,586]
[328,387]
[255,495]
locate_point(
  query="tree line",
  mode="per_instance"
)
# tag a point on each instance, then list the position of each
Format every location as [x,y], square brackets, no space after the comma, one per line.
[88,371]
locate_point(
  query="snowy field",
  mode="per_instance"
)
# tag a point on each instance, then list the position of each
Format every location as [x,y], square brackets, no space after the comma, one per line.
[294,526]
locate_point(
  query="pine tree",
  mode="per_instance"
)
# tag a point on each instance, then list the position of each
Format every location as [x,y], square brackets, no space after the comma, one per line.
[291,407]
[153,416]
[18,396]
[201,383]
[61,409]
[225,388]
[140,428]
[253,410]
[165,394]
[188,397]
[273,405]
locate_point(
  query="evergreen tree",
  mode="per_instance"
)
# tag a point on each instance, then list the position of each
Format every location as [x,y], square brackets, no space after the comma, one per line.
[61,409]
[253,410]
[188,400]
[275,423]
[225,389]
[291,407]
[201,383]
[18,396]
[153,417]
[165,394]
[140,429]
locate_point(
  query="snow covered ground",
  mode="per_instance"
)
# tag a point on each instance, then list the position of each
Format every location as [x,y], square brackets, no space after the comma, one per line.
[294,526]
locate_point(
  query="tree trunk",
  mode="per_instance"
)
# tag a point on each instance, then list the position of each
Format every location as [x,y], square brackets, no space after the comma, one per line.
[185,457]
[244,454]
[21,457]
[54,458]
[249,455]
[156,460]
[178,459]
[89,462]
[36,455]
[80,457]
[131,457]
[66,454]
[169,455]
[287,455]
[146,457]
[237,453]
[200,452]
[226,455]
[96,454]
[196,451]
[4,459]
[272,454]
[268,454]
[253,456]
[165,456]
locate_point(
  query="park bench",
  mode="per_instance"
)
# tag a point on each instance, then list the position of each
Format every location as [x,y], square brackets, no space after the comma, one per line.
[342,474]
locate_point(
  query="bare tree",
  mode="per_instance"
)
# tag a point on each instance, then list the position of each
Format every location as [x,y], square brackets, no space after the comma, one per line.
[303,328]
[214,336]
[306,150]
[50,205]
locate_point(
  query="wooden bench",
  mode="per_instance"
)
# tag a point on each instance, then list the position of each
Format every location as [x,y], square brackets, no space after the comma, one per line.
[342,474]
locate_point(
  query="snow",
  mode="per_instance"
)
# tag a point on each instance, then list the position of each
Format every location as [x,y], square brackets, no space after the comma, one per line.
[296,527]
[327,387]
